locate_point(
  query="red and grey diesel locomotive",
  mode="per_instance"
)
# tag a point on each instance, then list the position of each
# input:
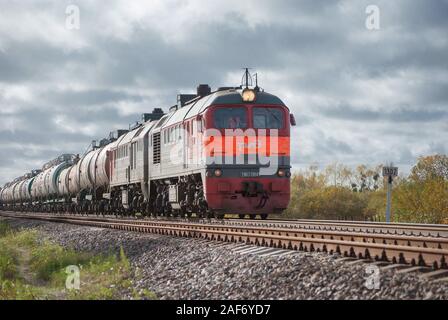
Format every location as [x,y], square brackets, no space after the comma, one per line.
[213,153]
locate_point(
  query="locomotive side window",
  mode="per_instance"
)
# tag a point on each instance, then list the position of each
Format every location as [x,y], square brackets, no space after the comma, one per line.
[230,118]
[268,118]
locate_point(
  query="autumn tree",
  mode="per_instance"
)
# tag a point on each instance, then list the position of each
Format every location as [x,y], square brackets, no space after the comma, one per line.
[430,167]
[424,196]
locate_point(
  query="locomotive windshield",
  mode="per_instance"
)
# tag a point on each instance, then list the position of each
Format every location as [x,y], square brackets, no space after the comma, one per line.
[268,118]
[230,118]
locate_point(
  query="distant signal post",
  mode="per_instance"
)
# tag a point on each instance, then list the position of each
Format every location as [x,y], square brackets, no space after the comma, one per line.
[389,172]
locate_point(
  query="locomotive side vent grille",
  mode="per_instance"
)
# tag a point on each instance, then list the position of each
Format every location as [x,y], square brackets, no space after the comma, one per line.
[156,148]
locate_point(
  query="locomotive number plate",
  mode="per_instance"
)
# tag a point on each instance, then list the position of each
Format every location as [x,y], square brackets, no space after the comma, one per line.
[250,174]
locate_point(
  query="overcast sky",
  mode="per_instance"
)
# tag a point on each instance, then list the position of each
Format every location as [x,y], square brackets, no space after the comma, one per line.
[358,95]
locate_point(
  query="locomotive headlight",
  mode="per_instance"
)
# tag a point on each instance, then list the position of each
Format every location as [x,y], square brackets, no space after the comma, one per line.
[218,172]
[281,173]
[248,95]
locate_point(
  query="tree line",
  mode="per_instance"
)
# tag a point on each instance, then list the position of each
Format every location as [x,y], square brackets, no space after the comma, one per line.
[342,193]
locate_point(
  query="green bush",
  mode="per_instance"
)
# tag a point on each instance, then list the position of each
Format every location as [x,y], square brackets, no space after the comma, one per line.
[49,258]
[8,269]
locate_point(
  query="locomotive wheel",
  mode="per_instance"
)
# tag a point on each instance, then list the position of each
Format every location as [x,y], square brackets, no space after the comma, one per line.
[264,216]
[252,216]
[241,216]
[220,216]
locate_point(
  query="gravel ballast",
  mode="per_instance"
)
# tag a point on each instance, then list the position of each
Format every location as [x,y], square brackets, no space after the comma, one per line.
[179,268]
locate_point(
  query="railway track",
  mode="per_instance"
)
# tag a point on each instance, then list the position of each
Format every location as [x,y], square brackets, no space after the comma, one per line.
[391,247]
[410,229]
[405,229]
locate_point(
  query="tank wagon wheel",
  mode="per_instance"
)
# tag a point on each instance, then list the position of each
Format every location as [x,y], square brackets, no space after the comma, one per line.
[241,216]
[210,215]
[146,210]
[220,216]
[143,210]
[264,216]
[252,216]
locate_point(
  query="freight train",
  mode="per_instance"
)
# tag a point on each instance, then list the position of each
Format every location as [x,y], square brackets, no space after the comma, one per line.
[213,153]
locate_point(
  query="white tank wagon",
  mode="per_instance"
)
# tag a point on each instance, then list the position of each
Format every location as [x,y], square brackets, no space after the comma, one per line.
[37,189]
[63,182]
[94,172]
[51,179]
[19,197]
[26,189]
[65,194]
[18,192]
[85,179]
[12,192]
[73,180]
[23,190]
[5,193]
[99,168]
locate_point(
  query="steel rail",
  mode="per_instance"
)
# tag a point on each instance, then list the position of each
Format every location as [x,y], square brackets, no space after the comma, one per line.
[392,228]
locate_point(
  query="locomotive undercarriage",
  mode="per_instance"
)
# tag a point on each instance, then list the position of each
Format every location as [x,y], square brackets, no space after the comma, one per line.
[188,200]
[180,197]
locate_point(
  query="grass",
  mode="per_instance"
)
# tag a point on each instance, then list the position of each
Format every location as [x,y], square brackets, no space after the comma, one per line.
[35,268]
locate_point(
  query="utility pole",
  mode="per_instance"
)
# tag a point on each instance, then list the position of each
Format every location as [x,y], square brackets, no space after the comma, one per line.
[390,172]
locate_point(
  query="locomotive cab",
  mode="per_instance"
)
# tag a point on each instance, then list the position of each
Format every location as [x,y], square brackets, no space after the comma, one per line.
[247,150]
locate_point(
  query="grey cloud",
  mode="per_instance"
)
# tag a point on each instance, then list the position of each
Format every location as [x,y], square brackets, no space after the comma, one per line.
[88,97]
[401,114]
